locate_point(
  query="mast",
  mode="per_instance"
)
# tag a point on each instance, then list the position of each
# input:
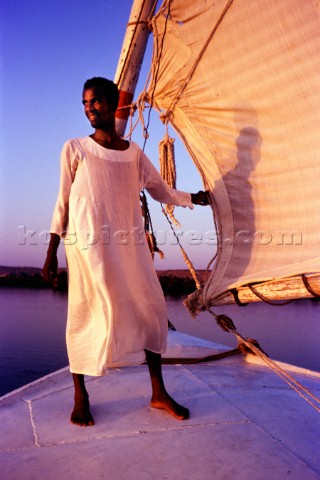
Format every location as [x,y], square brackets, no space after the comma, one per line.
[130,61]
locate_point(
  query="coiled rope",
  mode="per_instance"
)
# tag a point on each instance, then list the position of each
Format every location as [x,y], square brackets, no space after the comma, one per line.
[168,169]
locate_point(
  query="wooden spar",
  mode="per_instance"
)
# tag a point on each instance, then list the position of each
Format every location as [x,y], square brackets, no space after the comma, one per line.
[273,291]
[130,61]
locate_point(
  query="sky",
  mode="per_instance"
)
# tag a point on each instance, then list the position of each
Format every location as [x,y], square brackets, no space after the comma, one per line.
[48,50]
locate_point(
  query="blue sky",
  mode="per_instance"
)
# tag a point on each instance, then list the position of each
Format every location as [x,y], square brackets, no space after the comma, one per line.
[48,50]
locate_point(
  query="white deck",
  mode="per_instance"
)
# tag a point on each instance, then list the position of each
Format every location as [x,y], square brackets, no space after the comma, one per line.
[245,423]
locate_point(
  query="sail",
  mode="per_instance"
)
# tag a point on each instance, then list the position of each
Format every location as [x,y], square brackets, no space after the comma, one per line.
[240,83]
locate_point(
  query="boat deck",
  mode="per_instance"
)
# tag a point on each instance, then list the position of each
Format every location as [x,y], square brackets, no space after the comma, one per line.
[245,423]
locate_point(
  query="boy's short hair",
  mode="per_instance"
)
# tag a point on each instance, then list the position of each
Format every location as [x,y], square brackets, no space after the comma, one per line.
[108,87]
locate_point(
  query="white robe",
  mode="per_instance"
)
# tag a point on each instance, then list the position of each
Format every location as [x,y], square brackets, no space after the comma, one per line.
[116,308]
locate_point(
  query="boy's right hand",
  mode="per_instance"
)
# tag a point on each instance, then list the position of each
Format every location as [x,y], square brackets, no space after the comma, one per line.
[50,269]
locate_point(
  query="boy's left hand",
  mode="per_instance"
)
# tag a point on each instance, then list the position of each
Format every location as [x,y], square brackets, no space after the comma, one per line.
[201,198]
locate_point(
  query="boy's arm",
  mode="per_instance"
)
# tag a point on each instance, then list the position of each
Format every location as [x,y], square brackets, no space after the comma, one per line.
[50,267]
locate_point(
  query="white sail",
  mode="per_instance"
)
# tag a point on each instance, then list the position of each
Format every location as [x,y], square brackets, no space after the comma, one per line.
[240,81]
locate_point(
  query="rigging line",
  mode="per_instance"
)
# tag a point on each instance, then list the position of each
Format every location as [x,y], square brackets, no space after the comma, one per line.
[294,384]
[132,127]
[190,360]
[197,61]
[153,10]
[235,294]
[184,253]
[218,228]
[156,74]
[308,286]
[265,299]
[227,325]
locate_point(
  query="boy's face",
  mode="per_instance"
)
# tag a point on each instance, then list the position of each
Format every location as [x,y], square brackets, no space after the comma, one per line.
[97,109]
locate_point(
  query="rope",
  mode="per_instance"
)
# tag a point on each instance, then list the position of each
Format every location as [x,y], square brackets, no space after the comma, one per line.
[208,358]
[168,169]
[167,161]
[308,286]
[235,294]
[195,304]
[152,12]
[266,300]
[184,254]
[227,325]
[150,237]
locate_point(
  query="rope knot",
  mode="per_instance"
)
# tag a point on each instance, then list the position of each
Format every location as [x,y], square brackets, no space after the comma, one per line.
[143,98]
[133,108]
[150,24]
[166,117]
[246,348]
[194,303]
[225,323]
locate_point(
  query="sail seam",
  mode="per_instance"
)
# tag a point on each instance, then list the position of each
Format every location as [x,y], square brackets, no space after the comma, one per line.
[199,57]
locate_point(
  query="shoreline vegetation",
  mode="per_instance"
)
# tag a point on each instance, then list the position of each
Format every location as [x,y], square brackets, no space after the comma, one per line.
[173,282]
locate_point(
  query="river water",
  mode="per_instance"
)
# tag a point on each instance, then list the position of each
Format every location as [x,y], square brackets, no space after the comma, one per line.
[32,332]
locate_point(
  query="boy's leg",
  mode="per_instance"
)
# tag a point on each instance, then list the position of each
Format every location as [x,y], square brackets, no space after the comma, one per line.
[81,414]
[160,397]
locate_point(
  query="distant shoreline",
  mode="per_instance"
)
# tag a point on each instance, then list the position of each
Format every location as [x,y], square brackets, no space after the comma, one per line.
[173,282]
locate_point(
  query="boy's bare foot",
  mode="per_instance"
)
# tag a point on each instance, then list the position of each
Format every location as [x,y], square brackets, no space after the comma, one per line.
[167,403]
[81,414]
